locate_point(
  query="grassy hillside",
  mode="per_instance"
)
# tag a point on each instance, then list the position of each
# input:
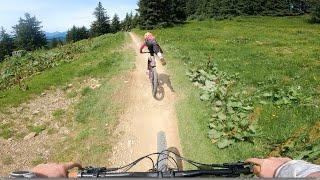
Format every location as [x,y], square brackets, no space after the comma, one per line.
[62,64]
[269,54]
[70,105]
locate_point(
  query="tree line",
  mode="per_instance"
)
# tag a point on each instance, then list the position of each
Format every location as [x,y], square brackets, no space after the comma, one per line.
[102,25]
[28,34]
[162,13]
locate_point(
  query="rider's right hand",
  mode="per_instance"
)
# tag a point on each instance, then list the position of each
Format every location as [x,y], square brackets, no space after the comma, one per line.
[266,168]
[54,170]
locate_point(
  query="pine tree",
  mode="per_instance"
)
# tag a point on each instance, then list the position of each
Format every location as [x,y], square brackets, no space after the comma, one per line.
[191,7]
[135,20]
[6,44]
[28,34]
[127,22]
[71,35]
[179,8]
[54,43]
[115,24]
[151,13]
[250,7]
[102,24]
[76,34]
[315,11]
[83,33]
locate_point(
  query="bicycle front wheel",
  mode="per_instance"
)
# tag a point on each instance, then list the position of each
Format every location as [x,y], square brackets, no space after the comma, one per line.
[162,164]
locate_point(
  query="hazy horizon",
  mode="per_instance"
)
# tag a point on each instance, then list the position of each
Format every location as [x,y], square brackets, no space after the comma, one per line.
[60,15]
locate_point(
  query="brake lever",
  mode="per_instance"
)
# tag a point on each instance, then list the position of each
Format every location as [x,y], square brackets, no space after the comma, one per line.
[239,167]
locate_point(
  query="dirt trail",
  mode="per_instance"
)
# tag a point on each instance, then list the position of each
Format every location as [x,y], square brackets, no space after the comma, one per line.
[144,116]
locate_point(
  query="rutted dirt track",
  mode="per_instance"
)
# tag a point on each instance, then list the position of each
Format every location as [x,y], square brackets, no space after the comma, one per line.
[145,116]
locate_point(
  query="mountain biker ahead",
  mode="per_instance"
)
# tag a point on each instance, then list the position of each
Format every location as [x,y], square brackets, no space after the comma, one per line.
[154,48]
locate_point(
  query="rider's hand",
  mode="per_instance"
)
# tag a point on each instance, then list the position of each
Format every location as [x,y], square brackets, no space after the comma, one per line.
[54,170]
[266,168]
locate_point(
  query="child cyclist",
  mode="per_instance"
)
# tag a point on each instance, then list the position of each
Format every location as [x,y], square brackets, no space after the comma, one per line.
[154,48]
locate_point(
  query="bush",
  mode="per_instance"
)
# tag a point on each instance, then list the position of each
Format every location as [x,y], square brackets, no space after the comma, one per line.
[315,13]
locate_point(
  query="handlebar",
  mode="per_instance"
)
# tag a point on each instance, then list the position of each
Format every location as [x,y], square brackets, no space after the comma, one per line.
[232,171]
[214,170]
[169,174]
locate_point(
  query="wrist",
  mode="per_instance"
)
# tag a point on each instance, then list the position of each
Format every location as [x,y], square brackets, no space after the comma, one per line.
[296,169]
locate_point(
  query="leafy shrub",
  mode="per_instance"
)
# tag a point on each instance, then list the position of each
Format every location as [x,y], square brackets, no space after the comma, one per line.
[233,107]
[300,146]
[230,122]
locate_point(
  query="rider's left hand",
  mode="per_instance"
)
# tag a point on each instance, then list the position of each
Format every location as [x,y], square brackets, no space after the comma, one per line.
[54,170]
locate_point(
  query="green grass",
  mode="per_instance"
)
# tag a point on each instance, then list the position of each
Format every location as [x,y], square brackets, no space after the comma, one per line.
[86,91]
[58,114]
[6,130]
[72,94]
[285,50]
[36,129]
[7,160]
[52,131]
[89,138]
[97,108]
[38,160]
[89,63]
[92,114]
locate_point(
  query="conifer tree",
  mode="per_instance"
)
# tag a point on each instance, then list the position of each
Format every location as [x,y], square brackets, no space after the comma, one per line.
[76,34]
[179,10]
[127,23]
[102,24]
[151,13]
[54,43]
[315,11]
[28,34]
[6,44]
[115,24]
[135,20]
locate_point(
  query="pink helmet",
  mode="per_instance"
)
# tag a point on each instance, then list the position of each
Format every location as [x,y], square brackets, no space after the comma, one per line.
[148,36]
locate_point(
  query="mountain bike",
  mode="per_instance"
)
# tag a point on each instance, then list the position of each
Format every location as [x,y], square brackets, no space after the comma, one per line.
[153,75]
[168,165]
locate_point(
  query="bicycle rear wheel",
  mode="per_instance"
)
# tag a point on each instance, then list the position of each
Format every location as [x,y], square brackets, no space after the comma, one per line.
[154,82]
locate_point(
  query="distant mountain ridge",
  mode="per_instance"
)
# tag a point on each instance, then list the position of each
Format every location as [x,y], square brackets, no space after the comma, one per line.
[58,35]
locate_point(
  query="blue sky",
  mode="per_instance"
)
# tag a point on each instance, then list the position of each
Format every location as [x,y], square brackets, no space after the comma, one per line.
[60,15]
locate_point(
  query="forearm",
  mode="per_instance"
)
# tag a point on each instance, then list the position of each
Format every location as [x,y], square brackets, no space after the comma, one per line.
[298,169]
[141,48]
